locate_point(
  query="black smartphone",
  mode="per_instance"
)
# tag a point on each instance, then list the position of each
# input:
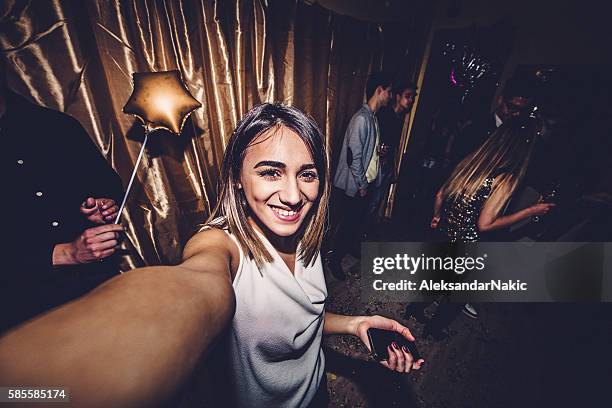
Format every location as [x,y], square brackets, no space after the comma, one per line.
[381,339]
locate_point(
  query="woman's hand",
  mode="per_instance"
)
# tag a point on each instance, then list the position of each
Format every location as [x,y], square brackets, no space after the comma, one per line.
[435,221]
[94,244]
[399,359]
[540,208]
[99,210]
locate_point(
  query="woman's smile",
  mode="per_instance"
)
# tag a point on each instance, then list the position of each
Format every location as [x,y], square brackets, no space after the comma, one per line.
[286,215]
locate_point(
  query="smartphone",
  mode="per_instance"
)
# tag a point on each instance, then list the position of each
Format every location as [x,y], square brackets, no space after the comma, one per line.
[381,339]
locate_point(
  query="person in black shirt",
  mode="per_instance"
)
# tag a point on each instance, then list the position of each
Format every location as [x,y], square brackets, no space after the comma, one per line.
[391,123]
[61,195]
[517,100]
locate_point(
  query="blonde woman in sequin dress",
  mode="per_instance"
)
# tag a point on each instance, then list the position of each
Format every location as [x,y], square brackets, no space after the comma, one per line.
[472,199]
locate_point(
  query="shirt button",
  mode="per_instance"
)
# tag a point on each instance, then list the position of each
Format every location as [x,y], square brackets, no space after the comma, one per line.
[39,194]
[19,161]
[55,223]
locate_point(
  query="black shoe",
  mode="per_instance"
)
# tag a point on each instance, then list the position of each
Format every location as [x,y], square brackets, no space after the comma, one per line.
[470,311]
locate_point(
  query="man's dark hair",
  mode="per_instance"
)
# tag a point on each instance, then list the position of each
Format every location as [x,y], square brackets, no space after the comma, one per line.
[519,87]
[375,80]
[403,86]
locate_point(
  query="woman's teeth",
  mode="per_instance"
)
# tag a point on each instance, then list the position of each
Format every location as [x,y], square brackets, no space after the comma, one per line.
[285,213]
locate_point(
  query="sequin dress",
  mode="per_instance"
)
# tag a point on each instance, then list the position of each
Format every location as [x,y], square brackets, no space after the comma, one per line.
[459,219]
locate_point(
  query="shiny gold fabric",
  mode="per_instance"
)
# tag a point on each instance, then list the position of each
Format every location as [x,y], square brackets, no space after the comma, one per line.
[78,57]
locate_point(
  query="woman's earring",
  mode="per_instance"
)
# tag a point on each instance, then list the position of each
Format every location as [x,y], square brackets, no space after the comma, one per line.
[242,197]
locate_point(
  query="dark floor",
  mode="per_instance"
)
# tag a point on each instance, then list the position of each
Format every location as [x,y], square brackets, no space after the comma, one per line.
[513,355]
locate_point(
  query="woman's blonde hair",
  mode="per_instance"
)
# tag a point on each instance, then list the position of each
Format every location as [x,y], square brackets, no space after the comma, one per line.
[507,152]
[231,211]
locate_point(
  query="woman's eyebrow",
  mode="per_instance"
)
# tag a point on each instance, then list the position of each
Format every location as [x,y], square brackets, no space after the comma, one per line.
[281,165]
[307,166]
[270,163]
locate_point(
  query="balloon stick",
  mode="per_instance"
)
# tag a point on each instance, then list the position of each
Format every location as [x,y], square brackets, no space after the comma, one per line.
[127,191]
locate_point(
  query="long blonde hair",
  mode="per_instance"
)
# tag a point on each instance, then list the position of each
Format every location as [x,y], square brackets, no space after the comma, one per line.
[231,211]
[508,151]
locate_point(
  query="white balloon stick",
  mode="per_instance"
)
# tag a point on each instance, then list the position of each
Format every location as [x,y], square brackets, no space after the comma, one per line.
[127,191]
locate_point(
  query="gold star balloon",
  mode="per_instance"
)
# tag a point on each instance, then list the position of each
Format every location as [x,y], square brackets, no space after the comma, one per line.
[161,100]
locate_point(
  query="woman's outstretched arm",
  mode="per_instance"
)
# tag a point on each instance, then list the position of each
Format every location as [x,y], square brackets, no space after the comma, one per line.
[132,341]
[489,219]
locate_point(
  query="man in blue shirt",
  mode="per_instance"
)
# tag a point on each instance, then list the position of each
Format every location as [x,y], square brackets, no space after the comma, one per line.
[358,168]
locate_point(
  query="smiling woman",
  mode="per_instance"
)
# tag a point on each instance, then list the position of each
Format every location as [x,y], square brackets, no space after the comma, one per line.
[272,210]
[258,257]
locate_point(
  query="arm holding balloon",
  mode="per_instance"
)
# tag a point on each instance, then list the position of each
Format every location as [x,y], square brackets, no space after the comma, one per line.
[93,244]
[102,239]
[90,174]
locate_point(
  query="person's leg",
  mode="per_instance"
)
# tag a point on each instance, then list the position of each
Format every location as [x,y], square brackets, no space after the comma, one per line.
[374,198]
[357,224]
[347,231]
[337,241]
[336,215]
[376,194]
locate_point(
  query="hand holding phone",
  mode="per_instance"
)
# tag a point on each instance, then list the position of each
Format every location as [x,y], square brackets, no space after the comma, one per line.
[390,342]
[381,339]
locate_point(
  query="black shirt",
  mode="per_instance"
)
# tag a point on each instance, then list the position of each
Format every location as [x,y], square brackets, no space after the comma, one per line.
[390,125]
[52,167]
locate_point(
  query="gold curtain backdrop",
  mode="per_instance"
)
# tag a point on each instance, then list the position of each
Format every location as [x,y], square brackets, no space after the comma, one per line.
[78,57]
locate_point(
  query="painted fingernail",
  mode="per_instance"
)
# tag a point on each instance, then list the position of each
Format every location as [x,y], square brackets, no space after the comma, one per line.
[405,349]
[394,345]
